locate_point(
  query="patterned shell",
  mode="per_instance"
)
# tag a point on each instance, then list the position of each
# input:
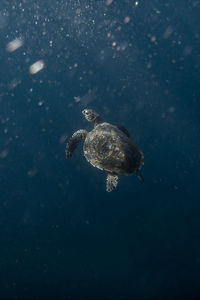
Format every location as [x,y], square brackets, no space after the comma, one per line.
[108,148]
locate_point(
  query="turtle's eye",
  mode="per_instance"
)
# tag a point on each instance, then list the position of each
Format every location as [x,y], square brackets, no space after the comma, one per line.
[85,112]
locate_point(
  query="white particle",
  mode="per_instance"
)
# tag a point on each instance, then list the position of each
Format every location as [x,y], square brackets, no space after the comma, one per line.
[32,172]
[108,2]
[13,84]
[36,67]
[171,109]
[77,99]
[14,45]
[149,65]
[4,154]
[127,20]
[41,102]
[153,38]
[168,32]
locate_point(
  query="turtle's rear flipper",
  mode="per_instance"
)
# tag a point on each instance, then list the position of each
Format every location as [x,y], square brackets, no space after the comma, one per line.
[139,175]
[111,182]
[76,138]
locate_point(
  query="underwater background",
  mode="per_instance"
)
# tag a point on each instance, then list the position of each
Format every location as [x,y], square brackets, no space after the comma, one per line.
[137,63]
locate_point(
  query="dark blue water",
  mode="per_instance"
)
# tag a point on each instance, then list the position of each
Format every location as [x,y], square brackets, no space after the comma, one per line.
[62,236]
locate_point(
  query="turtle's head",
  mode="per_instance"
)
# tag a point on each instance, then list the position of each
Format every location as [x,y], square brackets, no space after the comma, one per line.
[91,116]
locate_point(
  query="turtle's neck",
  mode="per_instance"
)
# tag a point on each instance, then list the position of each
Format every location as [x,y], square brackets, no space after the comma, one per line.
[97,121]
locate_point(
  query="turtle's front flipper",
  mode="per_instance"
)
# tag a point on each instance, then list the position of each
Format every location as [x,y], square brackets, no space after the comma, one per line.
[76,138]
[111,182]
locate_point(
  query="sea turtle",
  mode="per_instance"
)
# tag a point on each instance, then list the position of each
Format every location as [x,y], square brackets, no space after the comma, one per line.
[108,148]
